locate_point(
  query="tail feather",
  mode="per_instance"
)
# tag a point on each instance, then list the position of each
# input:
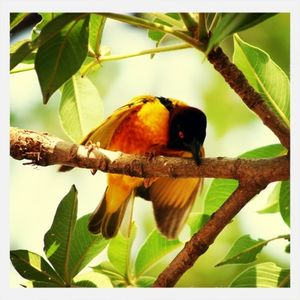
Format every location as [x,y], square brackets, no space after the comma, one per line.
[108,224]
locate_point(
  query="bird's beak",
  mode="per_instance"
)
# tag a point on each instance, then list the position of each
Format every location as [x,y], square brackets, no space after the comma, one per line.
[195,149]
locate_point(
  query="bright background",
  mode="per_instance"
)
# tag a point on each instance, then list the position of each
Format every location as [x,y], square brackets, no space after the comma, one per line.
[185,74]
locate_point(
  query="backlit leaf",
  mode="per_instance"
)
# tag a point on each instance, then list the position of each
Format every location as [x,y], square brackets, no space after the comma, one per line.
[243,251]
[230,23]
[57,240]
[81,107]
[265,275]
[34,267]
[265,77]
[284,201]
[152,250]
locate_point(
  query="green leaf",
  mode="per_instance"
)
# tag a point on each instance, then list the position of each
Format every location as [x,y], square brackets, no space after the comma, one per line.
[56,26]
[119,251]
[96,27]
[93,280]
[230,23]
[81,107]
[154,248]
[84,246]
[46,18]
[243,251]
[288,248]
[34,267]
[196,221]
[265,275]
[158,36]
[16,19]
[109,270]
[61,56]
[145,281]
[221,189]
[284,201]
[39,284]
[272,205]
[268,151]
[19,51]
[57,240]
[265,76]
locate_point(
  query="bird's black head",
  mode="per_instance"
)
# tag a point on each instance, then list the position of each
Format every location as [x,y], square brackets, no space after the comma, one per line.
[187,130]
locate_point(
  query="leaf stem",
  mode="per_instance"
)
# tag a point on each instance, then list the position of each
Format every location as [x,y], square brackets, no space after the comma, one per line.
[167,19]
[203,36]
[107,58]
[189,22]
[155,26]
[145,52]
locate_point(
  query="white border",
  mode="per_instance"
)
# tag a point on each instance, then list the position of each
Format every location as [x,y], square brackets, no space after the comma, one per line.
[7,6]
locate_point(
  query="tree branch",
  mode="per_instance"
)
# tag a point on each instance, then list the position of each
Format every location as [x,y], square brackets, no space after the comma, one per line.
[200,242]
[44,150]
[237,81]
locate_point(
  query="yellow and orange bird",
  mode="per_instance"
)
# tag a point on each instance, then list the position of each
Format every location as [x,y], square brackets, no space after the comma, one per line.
[159,126]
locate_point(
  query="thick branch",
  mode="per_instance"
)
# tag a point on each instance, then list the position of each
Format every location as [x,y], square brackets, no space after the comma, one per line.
[206,236]
[235,78]
[44,150]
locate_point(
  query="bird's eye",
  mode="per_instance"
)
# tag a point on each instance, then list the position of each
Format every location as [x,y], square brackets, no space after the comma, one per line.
[181,135]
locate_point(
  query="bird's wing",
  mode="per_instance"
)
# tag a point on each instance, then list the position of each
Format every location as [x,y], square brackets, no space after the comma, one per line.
[104,132]
[172,201]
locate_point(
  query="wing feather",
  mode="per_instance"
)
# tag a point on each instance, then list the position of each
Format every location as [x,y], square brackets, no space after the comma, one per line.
[172,201]
[105,131]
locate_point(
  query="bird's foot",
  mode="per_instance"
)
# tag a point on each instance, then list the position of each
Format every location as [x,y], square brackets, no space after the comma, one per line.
[91,147]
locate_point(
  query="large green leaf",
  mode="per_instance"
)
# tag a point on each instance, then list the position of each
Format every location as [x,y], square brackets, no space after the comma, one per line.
[265,76]
[221,189]
[84,246]
[17,18]
[22,49]
[265,275]
[284,201]
[34,267]
[96,27]
[230,23]
[61,56]
[154,248]
[92,279]
[243,251]
[81,107]
[57,240]
[119,252]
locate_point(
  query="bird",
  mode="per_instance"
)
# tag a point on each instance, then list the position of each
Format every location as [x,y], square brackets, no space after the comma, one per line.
[149,125]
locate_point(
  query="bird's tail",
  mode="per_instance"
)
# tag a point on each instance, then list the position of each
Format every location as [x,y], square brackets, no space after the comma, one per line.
[105,222]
